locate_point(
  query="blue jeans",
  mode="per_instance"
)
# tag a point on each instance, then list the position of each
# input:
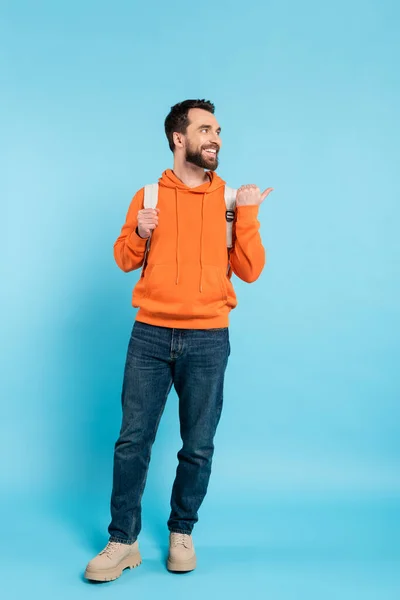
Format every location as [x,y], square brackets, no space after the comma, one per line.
[194,361]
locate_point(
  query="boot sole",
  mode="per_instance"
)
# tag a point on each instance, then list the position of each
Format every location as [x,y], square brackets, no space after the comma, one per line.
[182,566]
[130,562]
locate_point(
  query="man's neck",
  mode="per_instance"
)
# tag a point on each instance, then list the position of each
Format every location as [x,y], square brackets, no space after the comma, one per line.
[190,174]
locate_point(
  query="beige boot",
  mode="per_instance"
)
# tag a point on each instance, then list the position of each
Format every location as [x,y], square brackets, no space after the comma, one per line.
[182,556]
[111,561]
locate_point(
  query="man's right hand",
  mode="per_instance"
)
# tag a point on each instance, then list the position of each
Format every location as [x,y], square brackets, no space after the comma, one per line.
[147,220]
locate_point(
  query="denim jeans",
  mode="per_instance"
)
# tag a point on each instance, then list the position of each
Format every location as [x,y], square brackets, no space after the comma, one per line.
[194,361]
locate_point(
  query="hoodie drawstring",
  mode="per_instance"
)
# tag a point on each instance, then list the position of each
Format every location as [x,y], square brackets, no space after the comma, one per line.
[177,236]
[201,244]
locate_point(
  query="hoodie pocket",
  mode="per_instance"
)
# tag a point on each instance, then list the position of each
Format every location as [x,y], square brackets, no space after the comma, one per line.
[160,282]
[155,280]
[213,284]
[167,293]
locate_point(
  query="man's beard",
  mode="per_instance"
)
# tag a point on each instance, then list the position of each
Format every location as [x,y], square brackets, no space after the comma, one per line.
[198,158]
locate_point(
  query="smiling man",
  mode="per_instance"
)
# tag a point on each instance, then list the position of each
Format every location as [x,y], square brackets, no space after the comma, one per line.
[180,335]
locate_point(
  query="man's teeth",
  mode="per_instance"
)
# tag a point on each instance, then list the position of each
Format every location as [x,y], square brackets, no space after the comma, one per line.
[211,150]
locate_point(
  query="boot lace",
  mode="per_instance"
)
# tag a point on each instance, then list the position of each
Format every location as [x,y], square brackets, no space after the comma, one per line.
[110,548]
[179,539]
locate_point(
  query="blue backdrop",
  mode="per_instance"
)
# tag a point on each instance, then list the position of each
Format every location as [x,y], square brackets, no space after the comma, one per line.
[304,496]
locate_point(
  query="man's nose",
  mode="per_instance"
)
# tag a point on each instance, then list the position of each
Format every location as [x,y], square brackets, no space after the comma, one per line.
[216,140]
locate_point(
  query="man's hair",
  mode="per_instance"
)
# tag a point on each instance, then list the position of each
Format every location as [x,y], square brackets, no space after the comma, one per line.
[178,120]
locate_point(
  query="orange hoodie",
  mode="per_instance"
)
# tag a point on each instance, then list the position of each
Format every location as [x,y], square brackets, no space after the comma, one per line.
[186,283]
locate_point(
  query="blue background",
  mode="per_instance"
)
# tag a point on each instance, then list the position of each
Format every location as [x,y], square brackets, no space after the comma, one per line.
[304,496]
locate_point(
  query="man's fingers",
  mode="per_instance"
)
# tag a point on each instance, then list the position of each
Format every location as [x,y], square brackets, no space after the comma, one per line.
[149,211]
[147,226]
[148,216]
[149,219]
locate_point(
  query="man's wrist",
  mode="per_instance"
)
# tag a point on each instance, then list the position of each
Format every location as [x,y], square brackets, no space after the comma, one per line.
[137,233]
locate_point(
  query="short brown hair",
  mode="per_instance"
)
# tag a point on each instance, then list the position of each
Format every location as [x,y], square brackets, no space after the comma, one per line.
[178,120]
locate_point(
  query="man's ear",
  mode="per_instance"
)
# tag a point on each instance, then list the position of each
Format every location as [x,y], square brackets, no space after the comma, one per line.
[178,138]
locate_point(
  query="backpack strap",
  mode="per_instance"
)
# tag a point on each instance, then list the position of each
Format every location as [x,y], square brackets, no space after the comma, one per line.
[230,202]
[150,201]
[150,195]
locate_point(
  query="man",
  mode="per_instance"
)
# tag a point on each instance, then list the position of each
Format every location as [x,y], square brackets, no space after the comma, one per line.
[180,336]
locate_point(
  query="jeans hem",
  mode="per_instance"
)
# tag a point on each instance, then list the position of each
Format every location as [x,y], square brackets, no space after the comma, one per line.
[114,538]
[180,531]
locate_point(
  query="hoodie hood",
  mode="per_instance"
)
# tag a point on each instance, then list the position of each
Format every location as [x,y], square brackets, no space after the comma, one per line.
[170,180]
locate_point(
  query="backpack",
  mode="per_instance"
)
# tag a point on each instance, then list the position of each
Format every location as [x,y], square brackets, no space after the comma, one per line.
[151,199]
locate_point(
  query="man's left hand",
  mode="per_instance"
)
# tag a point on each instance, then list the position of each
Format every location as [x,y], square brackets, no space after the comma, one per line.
[248,195]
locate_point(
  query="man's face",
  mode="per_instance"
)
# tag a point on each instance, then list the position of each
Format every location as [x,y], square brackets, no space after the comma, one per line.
[202,138]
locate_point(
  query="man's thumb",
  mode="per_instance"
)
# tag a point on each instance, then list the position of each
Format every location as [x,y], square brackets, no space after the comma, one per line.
[265,193]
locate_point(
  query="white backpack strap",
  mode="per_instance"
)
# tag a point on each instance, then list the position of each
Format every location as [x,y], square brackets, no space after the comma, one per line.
[230,202]
[150,195]
[150,201]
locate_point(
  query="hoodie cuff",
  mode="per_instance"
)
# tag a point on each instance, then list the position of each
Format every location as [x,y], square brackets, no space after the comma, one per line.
[247,213]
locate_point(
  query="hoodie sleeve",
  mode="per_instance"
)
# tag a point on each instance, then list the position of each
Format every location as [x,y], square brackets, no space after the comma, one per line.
[129,247]
[248,255]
